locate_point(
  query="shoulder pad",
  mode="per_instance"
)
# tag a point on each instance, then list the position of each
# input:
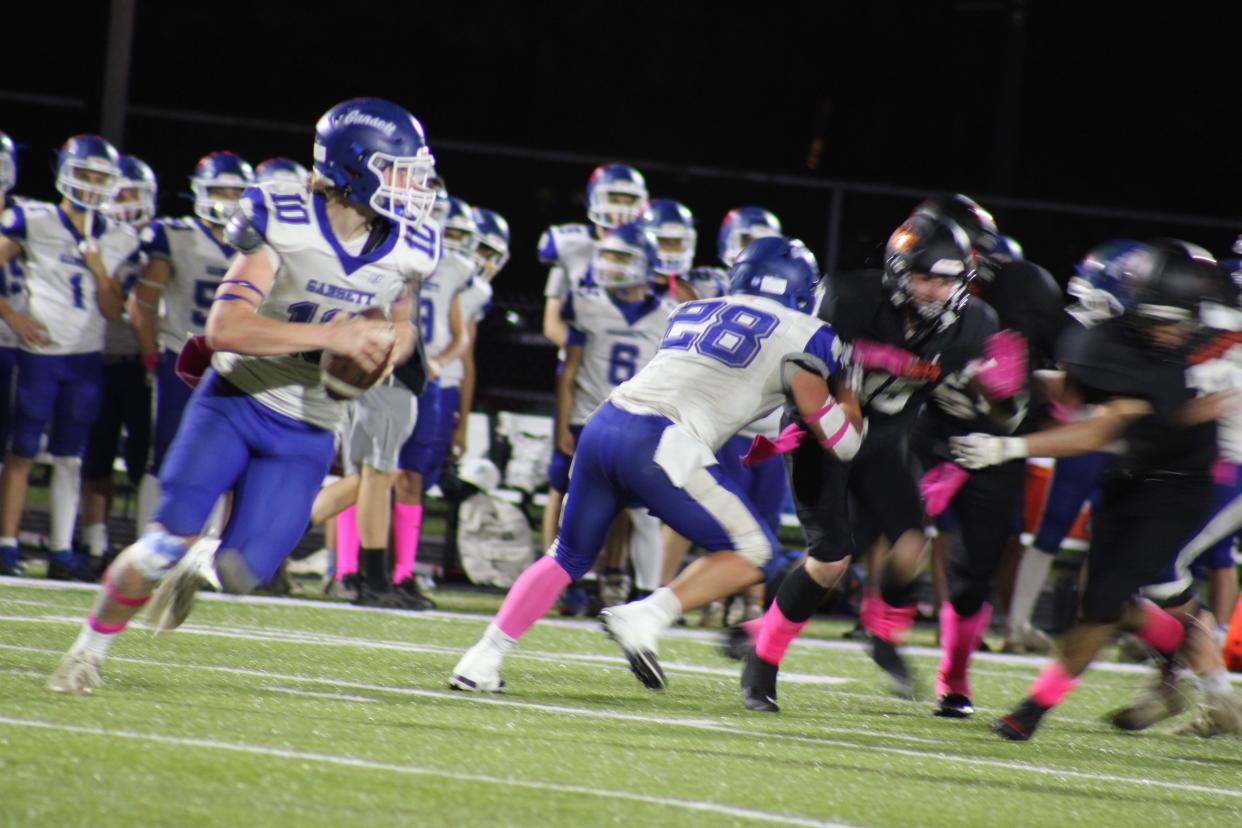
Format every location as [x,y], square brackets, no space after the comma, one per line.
[13,222]
[242,234]
[154,239]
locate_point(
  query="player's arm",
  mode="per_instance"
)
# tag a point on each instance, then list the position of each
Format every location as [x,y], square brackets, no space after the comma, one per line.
[401,313]
[466,399]
[554,327]
[108,296]
[565,396]
[234,323]
[143,305]
[460,342]
[30,331]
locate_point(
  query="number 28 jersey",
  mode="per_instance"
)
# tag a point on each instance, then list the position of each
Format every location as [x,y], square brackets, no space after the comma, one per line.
[617,340]
[197,261]
[317,278]
[726,362]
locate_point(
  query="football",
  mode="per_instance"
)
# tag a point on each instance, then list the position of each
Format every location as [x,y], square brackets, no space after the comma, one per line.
[343,378]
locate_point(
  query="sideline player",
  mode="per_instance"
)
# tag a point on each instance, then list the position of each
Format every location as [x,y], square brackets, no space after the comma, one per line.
[71,250]
[13,293]
[722,364]
[261,422]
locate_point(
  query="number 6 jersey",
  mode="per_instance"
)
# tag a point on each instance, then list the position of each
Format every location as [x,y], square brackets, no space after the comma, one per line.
[317,278]
[726,362]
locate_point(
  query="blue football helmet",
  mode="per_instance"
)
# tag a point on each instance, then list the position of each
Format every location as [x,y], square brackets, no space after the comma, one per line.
[672,224]
[707,282]
[8,163]
[741,225]
[1008,249]
[216,171]
[461,235]
[281,169]
[624,258]
[1096,286]
[778,268]
[376,154]
[136,192]
[439,210]
[86,171]
[492,252]
[616,194]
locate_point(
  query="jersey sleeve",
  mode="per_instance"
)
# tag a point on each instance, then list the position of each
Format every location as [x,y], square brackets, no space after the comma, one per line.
[247,229]
[13,223]
[821,355]
[557,284]
[153,240]
[547,247]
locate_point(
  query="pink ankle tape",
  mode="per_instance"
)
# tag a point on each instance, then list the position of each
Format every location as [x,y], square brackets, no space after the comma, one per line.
[1053,684]
[531,596]
[407,523]
[1160,630]
[104,629]
[123,600]
[776,634]
[886,622]
[347,543]
[959,638]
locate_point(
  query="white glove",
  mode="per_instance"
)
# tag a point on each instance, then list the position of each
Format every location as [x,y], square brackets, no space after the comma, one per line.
[977,451]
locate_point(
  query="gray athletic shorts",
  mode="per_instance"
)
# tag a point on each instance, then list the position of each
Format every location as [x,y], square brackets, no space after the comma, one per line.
[380,421]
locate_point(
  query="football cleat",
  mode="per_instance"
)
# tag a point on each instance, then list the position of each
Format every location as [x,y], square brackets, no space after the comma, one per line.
[1220,714]
[887,657]
[712,616]
[11,561]
[1161,701]
[638,640]
[174,597]
[69,566]
[1027,639]
[386,598]
[78,674]
[954,706]
[759,685]
[478,671]
[614,589]
[344,589]
[316,563]
[740,639]
[411,597]
[1020,725]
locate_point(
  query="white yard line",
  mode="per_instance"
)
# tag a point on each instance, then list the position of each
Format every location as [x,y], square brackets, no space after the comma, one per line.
[696,724]
[294,691]
[736,812]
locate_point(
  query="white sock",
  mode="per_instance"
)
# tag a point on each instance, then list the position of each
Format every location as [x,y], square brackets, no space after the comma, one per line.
[664,605]
[64,494]
[646,549]
[148,499]
[1216,684]
[1029,582]
[96,538]
[8,542]
[96,643]
[498,639]
[215,521]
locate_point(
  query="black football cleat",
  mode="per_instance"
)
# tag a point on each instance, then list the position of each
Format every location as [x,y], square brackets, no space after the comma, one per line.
[887,657]
[413,598]
[737,643]
[1020,725]
[759,685]
[954,706]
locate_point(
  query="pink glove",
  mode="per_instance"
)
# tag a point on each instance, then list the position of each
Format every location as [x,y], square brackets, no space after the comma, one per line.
[761,448]
[896,361]
[194,360]
[151,361]
[1003,373]
[939,485]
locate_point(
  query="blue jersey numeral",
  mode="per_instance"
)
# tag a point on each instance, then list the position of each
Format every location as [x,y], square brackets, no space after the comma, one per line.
[733,336]
[75,284]
[204,295]
[423,239]
[290,208]
[622,362]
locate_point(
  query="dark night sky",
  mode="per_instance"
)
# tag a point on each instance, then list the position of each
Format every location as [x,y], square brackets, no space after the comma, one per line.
[1109,104]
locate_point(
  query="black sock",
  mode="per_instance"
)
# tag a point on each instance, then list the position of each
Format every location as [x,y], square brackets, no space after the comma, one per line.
[800,595]
[375,568]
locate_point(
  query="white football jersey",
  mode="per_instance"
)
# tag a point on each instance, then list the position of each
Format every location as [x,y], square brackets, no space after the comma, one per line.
[436,298]
[197,261]
[119,336]
[617,341]
[13,287]
[567,249]
[474,301]
[316,279]
[725,363]
[61,287]
[1216,375]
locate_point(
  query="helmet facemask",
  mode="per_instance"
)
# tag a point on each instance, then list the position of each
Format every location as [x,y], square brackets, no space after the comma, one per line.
[675,246]
[615,203]
[490,255]
[134,202]
[404,194]
[617,266]
[88,183]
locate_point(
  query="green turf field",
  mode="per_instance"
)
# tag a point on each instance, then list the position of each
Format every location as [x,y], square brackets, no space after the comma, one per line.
[270,712]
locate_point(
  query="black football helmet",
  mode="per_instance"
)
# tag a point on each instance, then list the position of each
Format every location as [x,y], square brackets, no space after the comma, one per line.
[932,246]
[986,241]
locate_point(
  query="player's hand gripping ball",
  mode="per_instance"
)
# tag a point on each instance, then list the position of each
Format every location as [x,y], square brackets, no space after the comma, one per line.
[344,378]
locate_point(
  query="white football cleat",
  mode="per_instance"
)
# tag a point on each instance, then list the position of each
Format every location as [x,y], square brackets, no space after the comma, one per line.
[1220,714]
[633,628]
[78,674]
[478,670]
[174,597]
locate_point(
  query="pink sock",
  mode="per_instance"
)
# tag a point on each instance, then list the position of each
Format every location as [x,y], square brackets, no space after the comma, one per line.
[347,543]
[776,634]
[407,522]
[885,621]
[959,638]
[1160,630]
[531,596]
[1052,686]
